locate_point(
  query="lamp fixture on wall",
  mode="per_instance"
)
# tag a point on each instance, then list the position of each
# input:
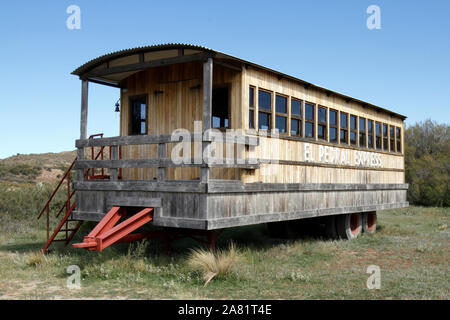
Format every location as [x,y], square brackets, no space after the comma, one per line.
[117,106]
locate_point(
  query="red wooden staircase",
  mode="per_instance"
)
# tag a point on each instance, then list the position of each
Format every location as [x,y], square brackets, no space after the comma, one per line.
[67,226]
[107,232]
[70,226]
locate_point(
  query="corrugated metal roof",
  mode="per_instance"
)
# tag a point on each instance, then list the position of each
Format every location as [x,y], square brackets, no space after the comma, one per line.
[127,52]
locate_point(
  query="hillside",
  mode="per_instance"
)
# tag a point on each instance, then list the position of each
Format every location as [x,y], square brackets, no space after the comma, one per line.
[33,168]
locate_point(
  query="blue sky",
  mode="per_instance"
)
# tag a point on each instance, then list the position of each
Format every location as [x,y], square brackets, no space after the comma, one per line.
[404,66]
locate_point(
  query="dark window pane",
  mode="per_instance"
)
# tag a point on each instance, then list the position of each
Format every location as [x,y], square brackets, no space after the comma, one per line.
[385,144]
[322,115]
[378,142]
[353,122]
[251,97]
[251,121]
[370,141]
[264,100]
[370,126]
[353,137]
[309,111]
[138,116]
[321,132]
[295,127]
[391,138]
[362,124]
[397,131]
[378,129]
[333,117]
[281,104]
[309,130]
[344,136]
[385,130]
[344,120]
[263,121]
[280,124]
[333,134]
[362,140]
[296,107]
[399,146]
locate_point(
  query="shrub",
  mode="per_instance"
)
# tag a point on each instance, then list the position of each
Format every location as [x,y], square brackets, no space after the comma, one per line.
[212,264]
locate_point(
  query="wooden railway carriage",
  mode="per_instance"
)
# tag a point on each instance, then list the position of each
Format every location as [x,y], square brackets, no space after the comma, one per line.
[258,146]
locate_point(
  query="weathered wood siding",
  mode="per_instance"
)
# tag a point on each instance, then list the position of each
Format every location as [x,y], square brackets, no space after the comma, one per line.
[175,98]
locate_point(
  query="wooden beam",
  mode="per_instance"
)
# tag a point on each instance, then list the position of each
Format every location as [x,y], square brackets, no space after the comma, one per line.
[207,93]
[207,111]
[84,109]
[149,64]
[164,138]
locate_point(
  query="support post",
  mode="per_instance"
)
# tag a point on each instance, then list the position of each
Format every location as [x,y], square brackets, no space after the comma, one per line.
[162,154]
[207,110]
[80,156]
[113,173]
[84,109]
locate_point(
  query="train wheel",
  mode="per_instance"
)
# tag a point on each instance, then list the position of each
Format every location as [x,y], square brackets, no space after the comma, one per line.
[349,226]
[330,227]
[369,222]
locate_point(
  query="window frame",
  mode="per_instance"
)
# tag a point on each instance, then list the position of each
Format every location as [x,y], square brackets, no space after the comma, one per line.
[346,129]
[312,121]
[391,138]
[131,100]
[370,134]
[362,134]
[251,108]
[355,131]
[385,138]
[325,124]
[282,115]
[335,126]
[378,136]
[398,142]
[297,118]
[266,111]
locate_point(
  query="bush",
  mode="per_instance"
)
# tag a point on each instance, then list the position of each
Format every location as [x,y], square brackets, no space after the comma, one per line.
[427,160]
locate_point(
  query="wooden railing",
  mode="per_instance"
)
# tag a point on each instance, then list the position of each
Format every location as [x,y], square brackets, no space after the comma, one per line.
[162,161]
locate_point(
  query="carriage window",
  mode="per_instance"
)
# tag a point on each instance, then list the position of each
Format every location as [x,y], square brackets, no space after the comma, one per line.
[398,137]
[391,139]
[344,128]
[362,132]
[251,107]
[220,108]
[296,117]
[322,123]
[353,132]
[309,120]
[385,137]
[370,134]
[333,126]
[138,117]
[281,113]
[265,110]
[378,135]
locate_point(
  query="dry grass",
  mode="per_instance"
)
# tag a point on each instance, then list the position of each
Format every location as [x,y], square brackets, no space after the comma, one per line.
[213,264]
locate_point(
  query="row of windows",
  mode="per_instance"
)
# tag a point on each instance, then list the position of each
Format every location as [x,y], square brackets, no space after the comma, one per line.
[340,128]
